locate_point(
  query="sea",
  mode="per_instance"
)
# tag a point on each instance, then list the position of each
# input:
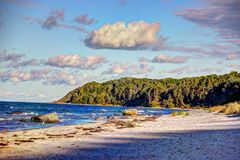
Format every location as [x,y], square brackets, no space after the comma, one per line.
[67,113]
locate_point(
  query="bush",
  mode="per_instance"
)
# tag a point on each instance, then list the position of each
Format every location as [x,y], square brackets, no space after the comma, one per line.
[181,113]
[230,108]
[155,104]
[216,109]
[130,112]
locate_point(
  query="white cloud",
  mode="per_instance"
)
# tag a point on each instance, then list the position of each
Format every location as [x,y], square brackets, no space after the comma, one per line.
[178,70]
[168,59]
[135,35]
[232,56]
[210,70]
[234,66]
[20,76]
[6,56]
[61,78]
[128,69]
[7,95]
[76,61]
[85,20]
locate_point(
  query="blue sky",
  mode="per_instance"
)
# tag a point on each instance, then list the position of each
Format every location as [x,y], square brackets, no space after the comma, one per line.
[48,48]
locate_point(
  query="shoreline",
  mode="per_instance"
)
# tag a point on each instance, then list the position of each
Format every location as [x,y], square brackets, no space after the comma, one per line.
[137,137]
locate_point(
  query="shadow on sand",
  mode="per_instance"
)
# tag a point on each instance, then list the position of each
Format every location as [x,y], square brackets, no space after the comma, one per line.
[191,145]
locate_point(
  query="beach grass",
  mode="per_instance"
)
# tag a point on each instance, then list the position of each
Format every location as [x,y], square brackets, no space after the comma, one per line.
[181,113]
[228,109]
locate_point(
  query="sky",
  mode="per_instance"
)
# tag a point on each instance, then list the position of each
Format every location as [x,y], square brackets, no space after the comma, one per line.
[48,48]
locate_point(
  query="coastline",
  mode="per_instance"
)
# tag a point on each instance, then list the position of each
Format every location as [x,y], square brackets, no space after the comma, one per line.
[201,135]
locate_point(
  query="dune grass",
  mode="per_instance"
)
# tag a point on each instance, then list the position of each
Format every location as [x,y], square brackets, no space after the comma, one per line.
[230,108]
[181,113]
[130,112]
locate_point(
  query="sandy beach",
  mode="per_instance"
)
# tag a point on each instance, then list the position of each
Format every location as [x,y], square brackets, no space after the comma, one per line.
[201,135]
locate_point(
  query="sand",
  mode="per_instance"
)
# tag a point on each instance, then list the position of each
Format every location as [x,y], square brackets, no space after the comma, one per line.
[199,136]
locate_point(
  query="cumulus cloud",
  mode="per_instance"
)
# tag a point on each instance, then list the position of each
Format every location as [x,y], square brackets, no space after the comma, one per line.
[234,66]
[24,63]
[85,20]
[210,70]
[61,78]
[54,20]
[178,70]
[76,61]
[126,69]
[232,56]
[24,96]
[16,60]
[167,59]
[223,16]
[65,78]
[6,56]
[135,35]
[20,76]
[47,76]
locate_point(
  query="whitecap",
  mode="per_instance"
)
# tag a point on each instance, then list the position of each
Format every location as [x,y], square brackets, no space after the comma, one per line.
[141,111]
[28,113]
[5,119]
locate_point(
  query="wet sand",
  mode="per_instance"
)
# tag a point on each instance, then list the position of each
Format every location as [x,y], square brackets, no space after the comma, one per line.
[201,135]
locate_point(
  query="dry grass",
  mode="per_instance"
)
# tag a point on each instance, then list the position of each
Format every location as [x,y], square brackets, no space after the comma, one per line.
[216,109]
[130,112]
[181,113]
[230,108]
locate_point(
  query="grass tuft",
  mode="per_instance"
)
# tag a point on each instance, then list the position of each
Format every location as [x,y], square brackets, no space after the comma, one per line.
[230,108]
[181,113]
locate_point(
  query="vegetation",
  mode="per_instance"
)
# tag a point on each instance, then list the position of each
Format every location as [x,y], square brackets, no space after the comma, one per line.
[230,108]
[181,113]
[130,112]
[182,93]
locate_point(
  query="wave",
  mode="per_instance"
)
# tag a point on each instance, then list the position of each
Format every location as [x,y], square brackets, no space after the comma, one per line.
[28,113]
[5,119]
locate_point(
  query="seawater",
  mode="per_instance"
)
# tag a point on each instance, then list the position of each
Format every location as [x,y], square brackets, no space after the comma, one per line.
[67,113]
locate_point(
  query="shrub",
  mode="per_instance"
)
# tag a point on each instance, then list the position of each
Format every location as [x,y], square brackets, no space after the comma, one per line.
[216,109]
[230,108]
[181,113]
[130,112]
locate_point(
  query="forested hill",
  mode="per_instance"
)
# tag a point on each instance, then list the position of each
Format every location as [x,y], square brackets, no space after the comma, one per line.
[186,92]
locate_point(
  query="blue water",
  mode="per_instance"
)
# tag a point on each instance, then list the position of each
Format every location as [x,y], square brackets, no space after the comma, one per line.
[67,113]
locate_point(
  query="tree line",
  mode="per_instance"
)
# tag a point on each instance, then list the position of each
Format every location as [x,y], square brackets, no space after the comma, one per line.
[183,93]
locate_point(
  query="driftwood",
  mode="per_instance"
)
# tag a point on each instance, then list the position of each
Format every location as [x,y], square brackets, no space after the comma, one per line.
[3,144]
[24,140]
[36,138]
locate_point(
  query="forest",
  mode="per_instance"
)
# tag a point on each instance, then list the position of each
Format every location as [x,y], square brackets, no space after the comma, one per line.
[187,92]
